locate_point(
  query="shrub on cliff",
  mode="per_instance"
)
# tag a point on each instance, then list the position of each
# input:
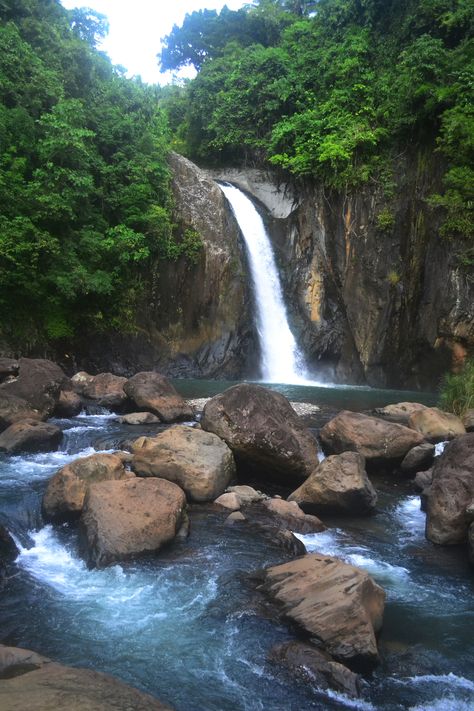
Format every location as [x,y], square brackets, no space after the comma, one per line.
[457,390]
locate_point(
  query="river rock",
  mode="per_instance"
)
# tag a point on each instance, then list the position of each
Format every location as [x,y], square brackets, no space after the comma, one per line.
[451,493]
[235,517]
[69,404]
[31,682]
[80,381]
[152,391]
[14,409]
[338,604]
[419,458]
[378,441]
[316,667]
[139,418]
[66,490]
[436,425]
[399,412]
[199,462]
[123,519]
[468,420]
[339,484]
[38,383]
[229,500]
[30,436]
[263,431]
[289,515]
[107,390]
[246,494]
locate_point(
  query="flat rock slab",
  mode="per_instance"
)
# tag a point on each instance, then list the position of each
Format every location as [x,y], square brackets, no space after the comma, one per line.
[336,603]
[378,441]
[30,436]
[339,484]
[123,519]
[199,462]
[263,431]
[31,682]
[153,392]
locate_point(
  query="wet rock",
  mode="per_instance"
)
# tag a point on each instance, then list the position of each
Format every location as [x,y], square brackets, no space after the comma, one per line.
[69,404]
[107,390]
[451,493]
[31,682]
[152,391]
[436,425]
[229,501]
[339,484]
[380,442]
[316,667]
[235,517]
[399,412]
[66,490]
[468,420]
[338,604]
[30,436]
[139,418]
[263,431]
[123,519]
[419,458]
[289,515]
[38,383]
[199,462]
[8,549]
[14,409]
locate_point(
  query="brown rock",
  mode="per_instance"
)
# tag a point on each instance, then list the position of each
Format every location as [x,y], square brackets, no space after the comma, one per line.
[263,431]
[199,462]
[423,479]
[68,405]
[399,412]
[107,390]
[451,493]
[468,420]
[436,425]
[66,490]
[246,494]
[229,501]
[139,418]
[316,667]
[31,682]
[122,519]
[378,441]
[14,409]
[289,515]
[339,484]
[38,383]
[235,517]
[152,391]
[338,604]
[80,381]
[419,458]
[30,436]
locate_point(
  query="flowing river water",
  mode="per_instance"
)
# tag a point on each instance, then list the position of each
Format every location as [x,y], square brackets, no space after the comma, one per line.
[187,626]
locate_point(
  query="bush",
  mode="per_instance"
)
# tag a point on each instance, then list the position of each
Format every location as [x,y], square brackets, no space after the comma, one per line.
[457,390]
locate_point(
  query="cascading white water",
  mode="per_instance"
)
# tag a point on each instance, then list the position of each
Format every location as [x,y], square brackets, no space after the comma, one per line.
[282,361]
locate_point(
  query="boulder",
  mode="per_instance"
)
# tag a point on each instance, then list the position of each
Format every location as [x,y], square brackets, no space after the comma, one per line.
[436,425]
[29,681]
[316,667]
[263,431]
[246,494]
[8,368]
[339,484]
[14,409]
[235,517]
[419,458]
[334,602]
[38,383]
[468,420]
[380,442]
[451,493]
[30,436]
[106,390]
[80,381]
[66,490]
[69,404]
[123,519]
[229,501]
[152,391]
[288,515]
[399,412]
[139,418]
[199,462]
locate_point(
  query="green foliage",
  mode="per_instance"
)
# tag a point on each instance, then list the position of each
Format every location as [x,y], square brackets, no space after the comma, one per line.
[385,219]
[457,390]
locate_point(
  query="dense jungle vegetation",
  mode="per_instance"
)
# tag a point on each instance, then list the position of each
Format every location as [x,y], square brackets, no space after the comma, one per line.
[335,90]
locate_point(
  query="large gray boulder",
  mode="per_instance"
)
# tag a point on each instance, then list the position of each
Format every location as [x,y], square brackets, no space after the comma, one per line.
[153,392]
[39,383]
[263,431]
[379,442]
[451,493]
[64,496]
[199,462]
[124,519]
[340,484]
[336,603]
[30,436]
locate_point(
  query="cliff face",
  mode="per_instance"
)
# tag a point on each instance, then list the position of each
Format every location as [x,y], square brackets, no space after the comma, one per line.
[374,293]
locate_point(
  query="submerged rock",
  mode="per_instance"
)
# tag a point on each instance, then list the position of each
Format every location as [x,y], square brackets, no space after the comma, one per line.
[263,431]
[338,604]
[199,462]
[123,519]
[451,493]
[378,441]
[66,490]
[436,425]
[339,484]
[38,383]
[152,391]
[30,436]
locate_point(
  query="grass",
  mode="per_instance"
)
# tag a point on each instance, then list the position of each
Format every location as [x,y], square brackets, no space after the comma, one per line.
[457,390]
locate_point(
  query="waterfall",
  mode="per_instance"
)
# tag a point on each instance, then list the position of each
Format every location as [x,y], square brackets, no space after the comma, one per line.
[281,360]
